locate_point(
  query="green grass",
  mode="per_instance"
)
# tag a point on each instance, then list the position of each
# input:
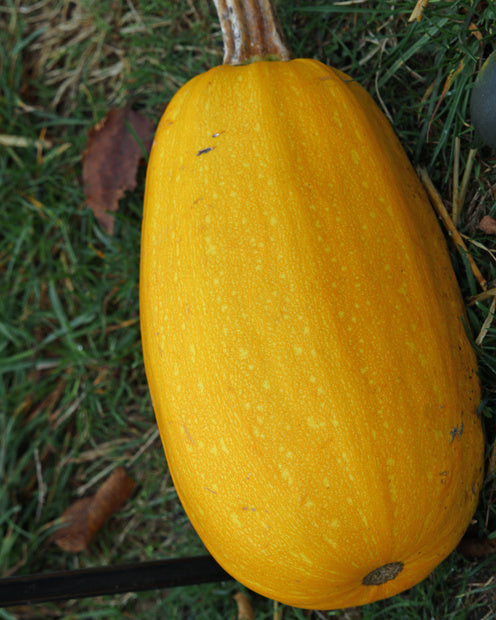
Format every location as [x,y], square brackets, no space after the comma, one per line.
[73,396]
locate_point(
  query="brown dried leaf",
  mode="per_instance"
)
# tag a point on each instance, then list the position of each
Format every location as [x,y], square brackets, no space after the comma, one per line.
[477,548]
[86,516]
[418,10]
[111,159]
[488,225]
[245,610]
[475,31]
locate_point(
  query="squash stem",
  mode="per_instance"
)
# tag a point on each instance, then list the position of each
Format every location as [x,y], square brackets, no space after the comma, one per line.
[250,31]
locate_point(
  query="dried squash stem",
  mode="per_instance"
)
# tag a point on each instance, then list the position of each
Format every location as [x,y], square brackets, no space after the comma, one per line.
[250,31]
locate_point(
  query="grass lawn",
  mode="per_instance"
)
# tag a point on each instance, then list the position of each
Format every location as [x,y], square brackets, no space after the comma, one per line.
[74,402]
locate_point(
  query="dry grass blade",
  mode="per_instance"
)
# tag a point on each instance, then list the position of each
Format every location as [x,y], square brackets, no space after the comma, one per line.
[71,49]
[487,323]
[441,210]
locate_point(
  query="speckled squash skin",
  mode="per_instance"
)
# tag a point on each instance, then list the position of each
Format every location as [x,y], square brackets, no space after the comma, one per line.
[304,339]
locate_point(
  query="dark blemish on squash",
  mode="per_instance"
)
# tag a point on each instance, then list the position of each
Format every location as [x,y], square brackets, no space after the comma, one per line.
[457,431]
[384,573]
[195,202]
[207,150]
[217,134]
[210,490]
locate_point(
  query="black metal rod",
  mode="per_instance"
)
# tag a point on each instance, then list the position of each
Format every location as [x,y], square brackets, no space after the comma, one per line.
[86,582]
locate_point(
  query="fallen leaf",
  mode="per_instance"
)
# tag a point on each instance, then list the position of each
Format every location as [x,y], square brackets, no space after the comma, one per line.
[111,159]
[475,31]
[245,610]
[86,516]
[488,225]
[418,11]
[477,548]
